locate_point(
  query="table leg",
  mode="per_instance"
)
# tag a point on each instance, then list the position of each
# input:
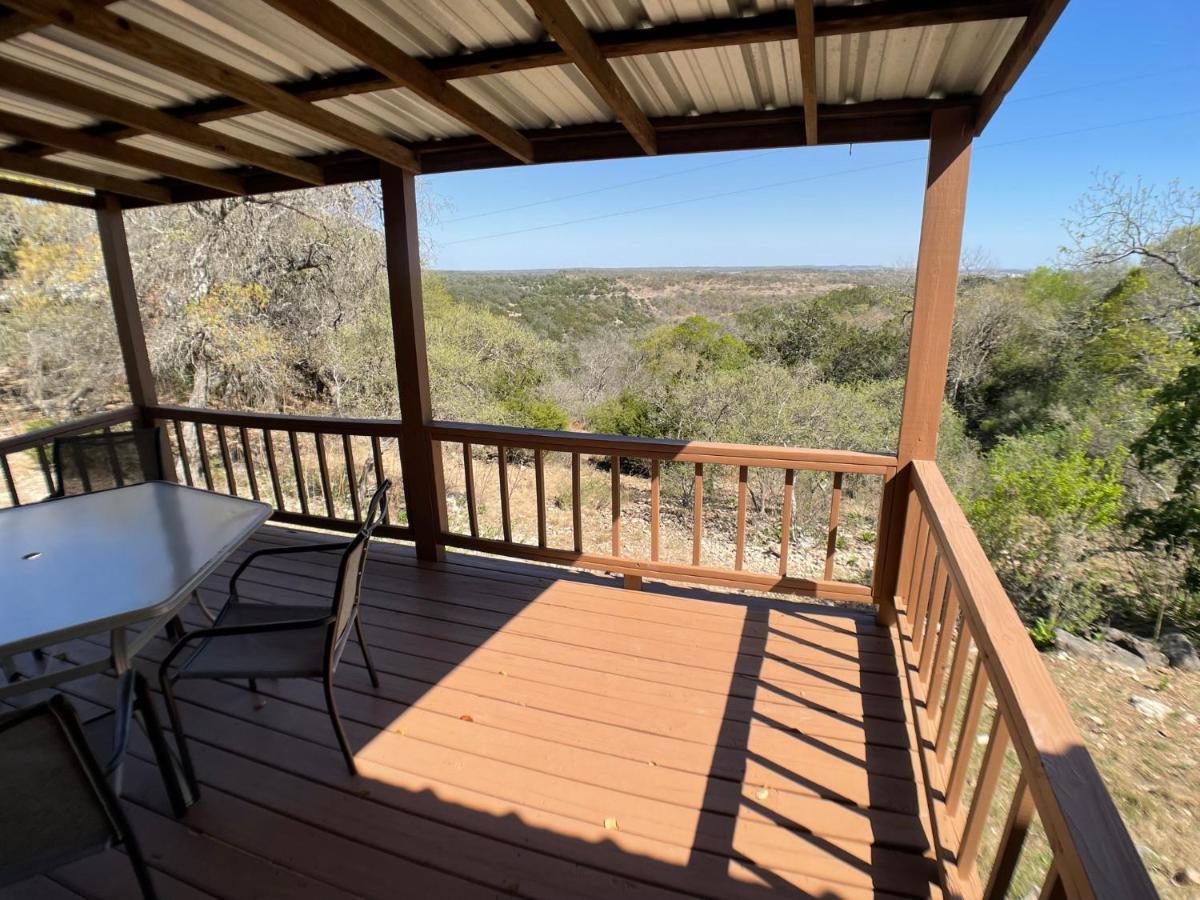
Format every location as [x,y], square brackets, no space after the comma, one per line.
[119,644]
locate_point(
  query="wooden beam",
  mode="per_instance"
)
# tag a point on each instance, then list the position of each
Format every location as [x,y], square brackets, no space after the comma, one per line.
[55,171]
[45,193]
[424,485]
[936,282]
[562,23]
[44,86]
[806,34]
[114,247]
[343,30]
[141,43]
[102,148]
[1041,19]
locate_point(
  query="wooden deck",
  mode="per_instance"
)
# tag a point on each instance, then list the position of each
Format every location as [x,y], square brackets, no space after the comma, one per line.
[541,734]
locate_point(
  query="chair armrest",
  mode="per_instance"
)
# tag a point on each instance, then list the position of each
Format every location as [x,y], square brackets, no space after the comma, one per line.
[231,630]
[278,551]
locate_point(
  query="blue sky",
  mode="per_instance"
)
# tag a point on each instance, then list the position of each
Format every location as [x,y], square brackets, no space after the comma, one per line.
[1109,91]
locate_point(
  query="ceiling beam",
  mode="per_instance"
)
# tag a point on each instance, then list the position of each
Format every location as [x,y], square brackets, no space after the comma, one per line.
[774,26]
[40,167]
[806,39]
[44,86]
[1041,19]
[102,148]
[343,30]
[564,26]
[141,43]
[45,193]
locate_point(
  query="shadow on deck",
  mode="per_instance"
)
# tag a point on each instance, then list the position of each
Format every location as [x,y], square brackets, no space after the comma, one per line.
[539,733]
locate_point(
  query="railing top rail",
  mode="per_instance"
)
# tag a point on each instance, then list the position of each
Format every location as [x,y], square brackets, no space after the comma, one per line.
[279,421]
[1093,850]
[667,449]
[31,439]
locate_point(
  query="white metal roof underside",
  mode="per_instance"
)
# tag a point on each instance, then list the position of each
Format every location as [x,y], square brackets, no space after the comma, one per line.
[908,63]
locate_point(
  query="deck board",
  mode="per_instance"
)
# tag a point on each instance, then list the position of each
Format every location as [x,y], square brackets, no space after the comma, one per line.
[545,734]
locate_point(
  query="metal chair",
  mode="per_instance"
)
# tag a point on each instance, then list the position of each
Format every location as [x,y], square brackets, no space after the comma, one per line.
[97,462]
[255,640]
[58,806]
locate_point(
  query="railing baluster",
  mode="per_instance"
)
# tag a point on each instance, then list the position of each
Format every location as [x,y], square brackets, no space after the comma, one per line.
[273,468]
[44,463]
[248,460]
[8,479]
[226,460]
[739,543]
[202,449]
[81,463]
[351,480]
[966,737]
[785,531]
[835,514]
[377,456]
[576,503]
[469,488]
[936,609]
[539,478]
[615,462]
[985,789]
[958,668]
[697,512]
[945,636]
[323,469]
[920,546]
[298,470]
[183,454]
[925,591]
[1052,887]
[113,462]
[655,501]
[505,517]
[1012,839]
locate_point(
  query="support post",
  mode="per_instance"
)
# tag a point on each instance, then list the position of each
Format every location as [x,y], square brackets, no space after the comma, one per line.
[114,248]
[424,491]
[929,345]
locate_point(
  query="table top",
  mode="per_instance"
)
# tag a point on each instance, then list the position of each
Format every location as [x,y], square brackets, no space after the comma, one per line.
[87,564]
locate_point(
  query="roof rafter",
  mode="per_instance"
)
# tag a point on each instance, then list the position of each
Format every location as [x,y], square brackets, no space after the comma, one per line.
[340,28]
[103,148]
[562,23]
[147,119]
[46,193]
[806,34]
[1041,19]
[56,171]
[122,34]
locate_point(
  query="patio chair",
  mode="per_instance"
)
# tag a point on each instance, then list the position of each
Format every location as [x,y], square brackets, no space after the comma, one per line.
[257,640]
[96,462]
[58,806]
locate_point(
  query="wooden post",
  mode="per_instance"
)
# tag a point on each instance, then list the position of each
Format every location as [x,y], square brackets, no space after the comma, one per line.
[424,489]
[114,247]
[929,345]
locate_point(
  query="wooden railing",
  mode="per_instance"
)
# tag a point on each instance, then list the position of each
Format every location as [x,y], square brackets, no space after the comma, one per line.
[651,454]
[307,467]
[38,445]
[959,628]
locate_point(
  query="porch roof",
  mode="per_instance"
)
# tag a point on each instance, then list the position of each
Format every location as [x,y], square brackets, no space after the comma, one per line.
[164,101]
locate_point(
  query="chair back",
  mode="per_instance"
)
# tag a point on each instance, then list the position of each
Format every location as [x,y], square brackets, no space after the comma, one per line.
[354,561]
[57,806]
[96,462]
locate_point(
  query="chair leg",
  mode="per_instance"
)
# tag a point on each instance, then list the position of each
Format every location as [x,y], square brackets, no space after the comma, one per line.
[337,725]
[185,757]
[366,651]
[140,869]
[253,685]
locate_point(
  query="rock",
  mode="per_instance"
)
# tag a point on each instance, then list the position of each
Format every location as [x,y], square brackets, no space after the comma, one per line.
[1151,709]
[1186,875]
[1147,650]
[1100,651]
[1180,652]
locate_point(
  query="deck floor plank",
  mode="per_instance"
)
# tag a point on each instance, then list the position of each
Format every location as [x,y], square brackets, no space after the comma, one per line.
[544,733]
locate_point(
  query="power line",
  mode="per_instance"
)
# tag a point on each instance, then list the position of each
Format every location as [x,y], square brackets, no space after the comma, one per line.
[792,181]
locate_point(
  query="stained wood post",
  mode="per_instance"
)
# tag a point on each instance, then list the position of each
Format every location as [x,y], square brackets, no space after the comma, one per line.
[424,491]
[929,344]
[114,248]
